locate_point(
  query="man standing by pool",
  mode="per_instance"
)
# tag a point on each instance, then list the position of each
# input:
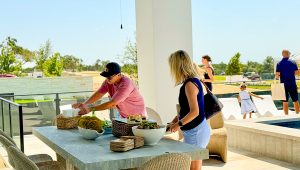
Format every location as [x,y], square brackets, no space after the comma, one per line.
[286,69]
[123,92]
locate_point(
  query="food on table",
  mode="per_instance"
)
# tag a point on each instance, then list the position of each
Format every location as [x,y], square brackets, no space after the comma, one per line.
[136,118]
[90,122]
[148,125]
[106,124]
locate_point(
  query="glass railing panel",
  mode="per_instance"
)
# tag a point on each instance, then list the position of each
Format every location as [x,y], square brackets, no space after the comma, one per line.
[15,124]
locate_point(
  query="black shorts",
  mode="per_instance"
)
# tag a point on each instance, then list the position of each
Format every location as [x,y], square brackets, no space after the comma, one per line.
[291,91]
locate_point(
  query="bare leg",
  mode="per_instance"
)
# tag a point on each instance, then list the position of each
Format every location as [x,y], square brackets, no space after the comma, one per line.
[196,165]
[296,106]
[250,115]
[285,108]
[244,117]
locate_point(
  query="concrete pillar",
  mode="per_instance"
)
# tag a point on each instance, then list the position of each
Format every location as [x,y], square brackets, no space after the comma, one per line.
[162,27]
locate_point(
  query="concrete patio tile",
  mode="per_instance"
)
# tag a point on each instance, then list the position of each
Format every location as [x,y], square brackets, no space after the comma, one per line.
[244,160]
[237,159]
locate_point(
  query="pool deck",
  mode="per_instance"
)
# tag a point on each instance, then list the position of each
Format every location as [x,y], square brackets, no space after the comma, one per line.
[277,142]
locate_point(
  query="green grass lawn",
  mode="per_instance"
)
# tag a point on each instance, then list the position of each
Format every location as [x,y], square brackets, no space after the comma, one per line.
[24,101]
[219,78]
[259,86]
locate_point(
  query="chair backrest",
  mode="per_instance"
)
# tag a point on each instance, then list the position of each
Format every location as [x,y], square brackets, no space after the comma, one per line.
[38,99]
[48,110]
[265,106]
[152,114]
[7,143]
[231,109]
[21,161]
[3,163]
[170,161]
[7,137]
[216,121]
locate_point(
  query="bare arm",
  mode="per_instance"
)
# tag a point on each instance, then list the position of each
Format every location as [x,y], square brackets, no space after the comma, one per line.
[106,105]
[100,107]
[175,120]
[239,99]
[95,97]
[277,75]
[254,95]
[210,75]
[297,72]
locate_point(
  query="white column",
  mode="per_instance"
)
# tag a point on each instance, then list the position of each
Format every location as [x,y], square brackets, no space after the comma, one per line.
[162,27]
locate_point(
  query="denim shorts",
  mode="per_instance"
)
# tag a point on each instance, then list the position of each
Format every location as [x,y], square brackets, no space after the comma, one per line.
[198,136]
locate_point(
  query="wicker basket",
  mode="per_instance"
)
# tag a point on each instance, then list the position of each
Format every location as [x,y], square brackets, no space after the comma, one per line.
[121,129]
[66,122]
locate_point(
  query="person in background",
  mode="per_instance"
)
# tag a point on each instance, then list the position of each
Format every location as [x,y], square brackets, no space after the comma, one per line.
[247,105]
[122,90]
[191,118]
[286,70]
[209,71]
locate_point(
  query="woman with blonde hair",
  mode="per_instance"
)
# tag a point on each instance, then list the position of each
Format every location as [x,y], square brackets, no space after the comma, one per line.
[191,118]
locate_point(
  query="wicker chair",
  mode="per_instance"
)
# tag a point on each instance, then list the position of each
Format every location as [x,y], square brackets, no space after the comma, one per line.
[171,161]
[7,137]
[7,142]
[22,162]
[218,139]
[3,163]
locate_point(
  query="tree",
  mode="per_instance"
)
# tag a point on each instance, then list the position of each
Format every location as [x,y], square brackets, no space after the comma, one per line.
[42,55]
[219,68]
[71,62]
[8,60]
[129,60]
[234,65]
[53,66]
[103,64]
[130,53]
[252,66]
[268,65]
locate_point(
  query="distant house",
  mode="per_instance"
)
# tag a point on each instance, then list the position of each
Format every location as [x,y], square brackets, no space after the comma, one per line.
[36,74]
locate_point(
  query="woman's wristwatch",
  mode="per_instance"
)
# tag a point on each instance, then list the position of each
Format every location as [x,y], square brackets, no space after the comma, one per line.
[180,123]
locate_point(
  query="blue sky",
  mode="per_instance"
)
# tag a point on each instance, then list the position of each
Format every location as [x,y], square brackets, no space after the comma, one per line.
[91,29]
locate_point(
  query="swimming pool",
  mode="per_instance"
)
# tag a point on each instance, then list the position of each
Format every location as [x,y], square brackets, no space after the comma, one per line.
[274,137]
[292,123]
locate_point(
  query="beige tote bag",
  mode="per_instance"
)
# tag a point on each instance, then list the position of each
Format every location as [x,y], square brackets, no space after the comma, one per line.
[278,92]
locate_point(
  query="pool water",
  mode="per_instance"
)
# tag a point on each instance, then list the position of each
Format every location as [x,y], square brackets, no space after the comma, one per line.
[292,123]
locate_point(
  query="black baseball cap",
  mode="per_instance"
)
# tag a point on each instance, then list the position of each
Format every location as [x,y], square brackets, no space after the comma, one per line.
[111,69]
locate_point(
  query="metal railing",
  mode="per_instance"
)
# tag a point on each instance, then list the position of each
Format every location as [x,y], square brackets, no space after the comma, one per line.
[20,115]
[7,122]
[57,99]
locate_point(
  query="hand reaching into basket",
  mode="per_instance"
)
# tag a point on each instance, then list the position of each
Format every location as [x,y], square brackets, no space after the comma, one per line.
[84,109]
[77,105]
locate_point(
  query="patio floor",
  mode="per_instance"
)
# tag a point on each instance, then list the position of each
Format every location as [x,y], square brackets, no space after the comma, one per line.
[237,159]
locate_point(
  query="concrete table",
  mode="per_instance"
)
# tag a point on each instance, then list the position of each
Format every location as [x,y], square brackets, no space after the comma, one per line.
[95,154]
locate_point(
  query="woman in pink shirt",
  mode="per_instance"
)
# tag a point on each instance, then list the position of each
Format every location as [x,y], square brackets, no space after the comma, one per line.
[123,92]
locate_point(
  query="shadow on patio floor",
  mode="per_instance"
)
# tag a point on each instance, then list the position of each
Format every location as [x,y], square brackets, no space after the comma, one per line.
[244,160]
